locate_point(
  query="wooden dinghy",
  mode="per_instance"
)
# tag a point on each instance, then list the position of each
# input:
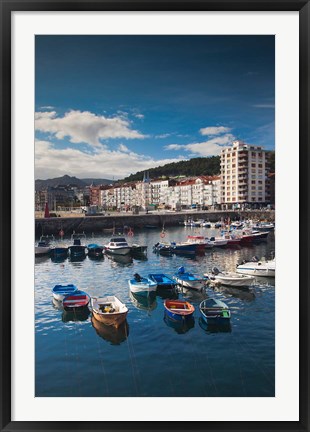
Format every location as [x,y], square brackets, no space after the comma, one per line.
[109,310]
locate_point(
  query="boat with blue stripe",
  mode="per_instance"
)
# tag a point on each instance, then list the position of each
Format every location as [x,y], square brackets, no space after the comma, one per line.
[163,281]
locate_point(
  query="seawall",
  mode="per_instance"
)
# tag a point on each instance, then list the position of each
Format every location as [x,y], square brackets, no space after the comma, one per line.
[97,224]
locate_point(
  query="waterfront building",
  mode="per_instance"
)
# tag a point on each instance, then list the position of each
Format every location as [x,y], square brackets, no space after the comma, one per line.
[244,176]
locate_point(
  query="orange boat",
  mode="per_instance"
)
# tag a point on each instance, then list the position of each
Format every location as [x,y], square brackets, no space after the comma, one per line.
[178,309]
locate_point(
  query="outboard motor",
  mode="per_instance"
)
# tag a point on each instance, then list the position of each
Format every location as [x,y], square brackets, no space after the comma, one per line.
[137,277]
[181,270]
[215,271]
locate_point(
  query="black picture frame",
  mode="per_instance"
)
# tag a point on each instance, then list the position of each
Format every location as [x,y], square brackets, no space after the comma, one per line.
[7,7]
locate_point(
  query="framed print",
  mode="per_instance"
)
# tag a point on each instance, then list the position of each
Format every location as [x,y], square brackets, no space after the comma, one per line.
[154,171]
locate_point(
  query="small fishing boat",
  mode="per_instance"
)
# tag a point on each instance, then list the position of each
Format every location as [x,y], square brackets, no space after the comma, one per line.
[262,267]
[138,249]
[59,252]
[200,242]
[214,311]
[79,299]
[188,248]
[118,246]
[178,309]
[217,241]
[109,310]
[95,251]
[229,278]
[163,248]
[61,291]
[163,281]
[142,286]
[189,280]
[205,224]
[44,245]
[231,239]
[42,248]
[77,250]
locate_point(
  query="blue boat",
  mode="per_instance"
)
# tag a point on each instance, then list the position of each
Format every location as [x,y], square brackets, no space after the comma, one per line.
[189,280]
[163,281]
[60,291]
[77,250]
[59,252]
[188,248]
[214,311]
[95,251]
[142,286]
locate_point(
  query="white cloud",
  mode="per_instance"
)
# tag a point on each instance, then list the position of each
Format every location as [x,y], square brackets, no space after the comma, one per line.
[166,135]
[48,107]
[214,130]
[174,146]
[85,127]
[53,162]
[139,116]
[211,147]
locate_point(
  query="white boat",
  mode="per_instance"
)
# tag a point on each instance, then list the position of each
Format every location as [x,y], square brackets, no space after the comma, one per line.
[43,247]
[217,241]
[141,285]
[189,280]
[118,246]
[258,268]
[230,278]
[109,310]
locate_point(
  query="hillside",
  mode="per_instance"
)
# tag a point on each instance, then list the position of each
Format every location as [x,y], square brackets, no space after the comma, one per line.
[67,180]
[193,167]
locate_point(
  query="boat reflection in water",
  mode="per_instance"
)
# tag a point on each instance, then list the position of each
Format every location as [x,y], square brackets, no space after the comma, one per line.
[119,259]
[76,259]
[110,333]
[147,303]
[242,293]
[60,259]
[215,328]
[182,326]
[165,293]
[81,314]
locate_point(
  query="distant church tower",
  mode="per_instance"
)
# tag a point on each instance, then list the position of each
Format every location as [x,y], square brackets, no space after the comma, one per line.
[146,190]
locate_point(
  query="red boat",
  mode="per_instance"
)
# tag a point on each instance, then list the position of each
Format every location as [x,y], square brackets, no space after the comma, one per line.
[77,300]
[178,309]
[199,241]
[232,241]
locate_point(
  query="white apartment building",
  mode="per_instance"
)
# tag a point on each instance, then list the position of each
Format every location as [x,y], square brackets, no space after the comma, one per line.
[244,170]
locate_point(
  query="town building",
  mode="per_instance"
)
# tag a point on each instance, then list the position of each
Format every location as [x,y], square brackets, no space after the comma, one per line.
[244,176]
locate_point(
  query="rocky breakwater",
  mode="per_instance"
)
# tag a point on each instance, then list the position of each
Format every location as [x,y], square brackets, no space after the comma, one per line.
[103,223]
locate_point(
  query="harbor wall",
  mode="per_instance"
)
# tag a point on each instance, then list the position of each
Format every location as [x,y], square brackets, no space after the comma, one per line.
[103,223]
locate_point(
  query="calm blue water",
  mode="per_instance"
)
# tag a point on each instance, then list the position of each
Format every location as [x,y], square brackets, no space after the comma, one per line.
[150,357]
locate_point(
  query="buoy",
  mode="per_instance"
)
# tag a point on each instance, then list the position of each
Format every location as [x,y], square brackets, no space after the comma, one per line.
[130,233]
[162,234]
[61,233]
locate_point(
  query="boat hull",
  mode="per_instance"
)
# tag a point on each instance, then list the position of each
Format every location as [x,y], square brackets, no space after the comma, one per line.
[76,301]
[109,310]
[61,291]
[118,251]
[42,250]
[192,283]
[144,288]
[234,282]
[257,271]
[111,319]
[178,310]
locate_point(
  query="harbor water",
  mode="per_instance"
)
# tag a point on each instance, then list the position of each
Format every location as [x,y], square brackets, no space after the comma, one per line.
[75,356]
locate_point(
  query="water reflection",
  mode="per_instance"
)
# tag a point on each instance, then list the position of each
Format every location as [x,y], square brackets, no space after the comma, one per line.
[147,303]
[41,259]
[164,294]
[179,327]
[76,259]
[81,314]
[120,259]
[110,333]
[242,293]
[214,328]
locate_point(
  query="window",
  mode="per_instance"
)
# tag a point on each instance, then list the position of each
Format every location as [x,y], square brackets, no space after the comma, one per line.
[253,182]
[253,165]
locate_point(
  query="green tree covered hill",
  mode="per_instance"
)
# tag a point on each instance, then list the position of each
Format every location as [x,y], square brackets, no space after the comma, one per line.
[193,167]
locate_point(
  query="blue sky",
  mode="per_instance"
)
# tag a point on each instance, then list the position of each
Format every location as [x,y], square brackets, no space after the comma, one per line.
[108,106]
